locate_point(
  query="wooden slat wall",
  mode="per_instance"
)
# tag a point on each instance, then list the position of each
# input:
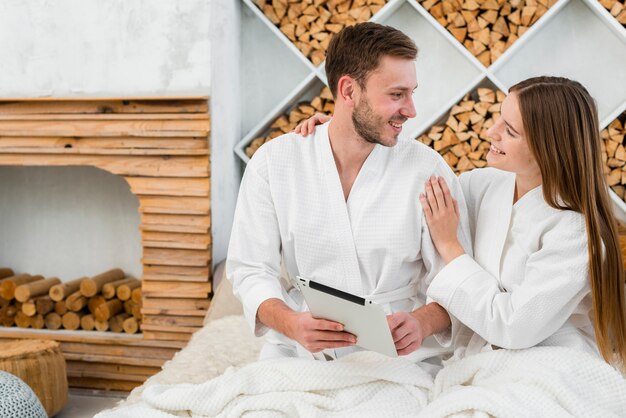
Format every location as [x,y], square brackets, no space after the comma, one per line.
[161,148]
[103,360]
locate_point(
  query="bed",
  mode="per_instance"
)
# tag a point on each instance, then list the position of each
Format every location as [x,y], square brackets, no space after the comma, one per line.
[217,374]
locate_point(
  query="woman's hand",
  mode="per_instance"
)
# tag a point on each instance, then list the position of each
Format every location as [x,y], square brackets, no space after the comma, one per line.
[442,216]
[306,127]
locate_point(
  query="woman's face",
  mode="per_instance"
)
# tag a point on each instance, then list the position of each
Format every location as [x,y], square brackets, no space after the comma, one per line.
[509,149]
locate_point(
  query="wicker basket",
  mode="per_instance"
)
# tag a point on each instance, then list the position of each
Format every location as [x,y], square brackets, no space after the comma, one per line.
[41,365]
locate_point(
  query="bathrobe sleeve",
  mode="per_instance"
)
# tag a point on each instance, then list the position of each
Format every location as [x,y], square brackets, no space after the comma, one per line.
[253,262]
[555,280]
[433,261]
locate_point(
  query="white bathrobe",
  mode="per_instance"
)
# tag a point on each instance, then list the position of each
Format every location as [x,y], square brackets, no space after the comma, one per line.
[528,283]
[291,208]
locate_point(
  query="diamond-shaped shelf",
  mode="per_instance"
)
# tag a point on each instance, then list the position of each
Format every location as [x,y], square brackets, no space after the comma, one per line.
[614,155]
[321,103]
[438,59]
[311,24]
[460,136]
[487,28]
[592,52]
[617,9]
[259,94]
[265,130]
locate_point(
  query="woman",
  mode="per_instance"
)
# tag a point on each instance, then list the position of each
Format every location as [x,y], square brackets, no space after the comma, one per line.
[547,267]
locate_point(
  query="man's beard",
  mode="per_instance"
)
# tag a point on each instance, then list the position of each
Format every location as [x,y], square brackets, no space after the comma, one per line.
[369,125]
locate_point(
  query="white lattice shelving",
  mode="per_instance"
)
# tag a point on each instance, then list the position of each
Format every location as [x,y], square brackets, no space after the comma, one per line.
[578,39]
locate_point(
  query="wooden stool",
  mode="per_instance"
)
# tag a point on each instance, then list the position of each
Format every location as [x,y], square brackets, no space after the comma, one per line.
[41,365]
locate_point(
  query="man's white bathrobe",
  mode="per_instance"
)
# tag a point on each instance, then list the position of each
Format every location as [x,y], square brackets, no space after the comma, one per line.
[291,209]
[528,283]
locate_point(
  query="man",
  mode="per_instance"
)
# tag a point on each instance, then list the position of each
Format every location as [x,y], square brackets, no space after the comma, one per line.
[342,208]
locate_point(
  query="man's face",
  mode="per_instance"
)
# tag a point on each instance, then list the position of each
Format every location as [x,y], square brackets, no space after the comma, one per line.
[386,101]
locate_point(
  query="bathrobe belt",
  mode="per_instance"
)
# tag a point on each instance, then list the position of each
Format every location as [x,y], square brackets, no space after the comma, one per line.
[406,292]
[383,298]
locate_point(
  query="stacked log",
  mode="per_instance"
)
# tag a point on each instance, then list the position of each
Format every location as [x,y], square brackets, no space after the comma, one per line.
[614,155]
[102,302]
[462,140]
[323,103]
[10,284]
[617,9]
[487,27]
[310,24]
[6,272]
[26,292]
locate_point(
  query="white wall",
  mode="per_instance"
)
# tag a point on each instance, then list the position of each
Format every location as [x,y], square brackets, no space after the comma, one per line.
[104,48]
[67,222]
[226,167]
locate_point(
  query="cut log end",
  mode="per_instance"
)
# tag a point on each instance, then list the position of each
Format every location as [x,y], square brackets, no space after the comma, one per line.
[71,321]
[106,310]
[131,325]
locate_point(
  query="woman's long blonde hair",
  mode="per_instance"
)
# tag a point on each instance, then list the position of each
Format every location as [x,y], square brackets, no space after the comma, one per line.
[561,124]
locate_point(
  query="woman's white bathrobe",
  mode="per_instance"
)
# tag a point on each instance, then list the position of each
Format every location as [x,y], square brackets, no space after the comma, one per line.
[528,283]
[291,209]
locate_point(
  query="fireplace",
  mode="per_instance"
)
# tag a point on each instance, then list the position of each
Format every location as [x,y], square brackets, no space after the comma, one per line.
[160,148]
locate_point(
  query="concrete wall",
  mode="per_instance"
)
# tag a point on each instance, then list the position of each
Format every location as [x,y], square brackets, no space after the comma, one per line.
[104,48]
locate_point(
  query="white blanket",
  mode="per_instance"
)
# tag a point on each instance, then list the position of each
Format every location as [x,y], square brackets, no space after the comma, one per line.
[538,382]
[359,385]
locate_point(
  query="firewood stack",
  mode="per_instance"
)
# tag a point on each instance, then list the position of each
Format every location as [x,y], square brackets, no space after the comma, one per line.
[323,103]
[462,140]
[614,155]
[487,27]
[617,9]
[310,24]
[108,301]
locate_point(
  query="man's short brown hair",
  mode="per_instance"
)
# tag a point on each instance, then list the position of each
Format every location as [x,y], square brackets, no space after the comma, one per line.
[356,51]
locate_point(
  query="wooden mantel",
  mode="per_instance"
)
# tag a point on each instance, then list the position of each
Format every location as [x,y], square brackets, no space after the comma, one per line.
[160,147]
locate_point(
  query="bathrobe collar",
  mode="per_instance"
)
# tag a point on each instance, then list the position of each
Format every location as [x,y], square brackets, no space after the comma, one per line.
[346,215]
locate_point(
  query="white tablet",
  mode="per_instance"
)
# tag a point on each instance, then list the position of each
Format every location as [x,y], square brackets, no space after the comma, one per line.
[359,316]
